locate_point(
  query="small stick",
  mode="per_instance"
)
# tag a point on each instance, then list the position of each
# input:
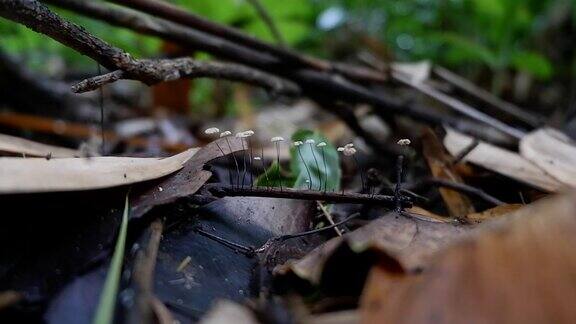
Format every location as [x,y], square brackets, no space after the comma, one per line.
[465,151]
[328,217]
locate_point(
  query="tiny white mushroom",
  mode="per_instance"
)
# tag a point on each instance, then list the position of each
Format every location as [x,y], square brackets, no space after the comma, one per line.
[257,158]
[277,139]
[249,133]
[349,151]
[212,130]
[321,144]
[404,142]
[340,149]
[297,143]
[349,145]
[241,135]
[310,141]
[225,133]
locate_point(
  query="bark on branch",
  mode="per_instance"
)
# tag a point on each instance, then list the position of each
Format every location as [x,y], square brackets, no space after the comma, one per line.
[39,18]
[156,71]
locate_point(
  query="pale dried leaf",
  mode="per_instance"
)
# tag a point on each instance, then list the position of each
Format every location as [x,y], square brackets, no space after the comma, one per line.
[29,175]
[501,161]
[17,145]
[552,151]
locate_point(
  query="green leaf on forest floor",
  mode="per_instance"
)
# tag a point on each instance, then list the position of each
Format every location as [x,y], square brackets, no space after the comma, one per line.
[318,165]
[107,303]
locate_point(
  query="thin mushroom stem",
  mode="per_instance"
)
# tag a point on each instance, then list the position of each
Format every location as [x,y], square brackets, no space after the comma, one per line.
[243,162]
[224,154]
[278,164]
[361,172]
[399,173]
[250,164]
[264,167]
[317,167]
[235,160]
[325,170]
[306,166]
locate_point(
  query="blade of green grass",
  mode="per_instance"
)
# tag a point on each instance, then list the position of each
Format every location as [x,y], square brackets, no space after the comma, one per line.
[105,311]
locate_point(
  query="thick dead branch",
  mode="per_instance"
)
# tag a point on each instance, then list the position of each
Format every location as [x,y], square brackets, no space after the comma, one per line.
[311,81]
[39,18]
[156,71]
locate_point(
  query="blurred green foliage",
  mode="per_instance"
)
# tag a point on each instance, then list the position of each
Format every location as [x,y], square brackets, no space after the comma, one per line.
[498,35]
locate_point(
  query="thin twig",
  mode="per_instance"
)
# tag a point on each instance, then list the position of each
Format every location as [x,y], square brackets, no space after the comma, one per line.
[328,217]
[458,187]
[465,151]
[219,190]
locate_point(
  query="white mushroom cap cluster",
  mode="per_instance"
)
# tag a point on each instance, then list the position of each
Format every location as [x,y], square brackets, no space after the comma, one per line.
[277,139]
[347,150]
[403,142]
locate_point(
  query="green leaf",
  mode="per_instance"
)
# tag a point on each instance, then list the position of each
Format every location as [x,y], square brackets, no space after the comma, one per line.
[105,311]
[270,178]
[300,161]
[310,158]
[533,63]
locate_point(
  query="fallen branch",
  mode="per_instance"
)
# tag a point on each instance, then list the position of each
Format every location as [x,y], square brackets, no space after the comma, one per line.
[219,190]
[38,17]
[156,71]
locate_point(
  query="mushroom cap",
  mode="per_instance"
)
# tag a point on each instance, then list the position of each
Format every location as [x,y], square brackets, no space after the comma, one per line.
[212,130]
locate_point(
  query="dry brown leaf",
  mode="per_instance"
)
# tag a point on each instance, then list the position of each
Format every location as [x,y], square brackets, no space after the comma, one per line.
[410,241]
[440,165]
[552,151]
[18,175]
[501,161]
[515,269]
[495,212]
[186,181]
[17,145]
